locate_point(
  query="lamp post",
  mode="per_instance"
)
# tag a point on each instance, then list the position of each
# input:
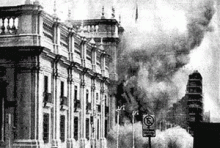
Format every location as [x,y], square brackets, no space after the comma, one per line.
[133,114]
[118,110]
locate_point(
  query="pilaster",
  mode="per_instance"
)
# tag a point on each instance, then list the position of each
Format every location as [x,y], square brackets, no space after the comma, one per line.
[70,112]
[56,109]
[82,113]
[102,120]
[113,65]
[93,139]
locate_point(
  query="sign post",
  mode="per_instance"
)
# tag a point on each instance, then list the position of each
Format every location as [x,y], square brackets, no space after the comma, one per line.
[149,127]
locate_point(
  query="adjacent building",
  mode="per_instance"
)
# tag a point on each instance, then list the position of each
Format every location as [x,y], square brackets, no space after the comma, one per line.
[57,79]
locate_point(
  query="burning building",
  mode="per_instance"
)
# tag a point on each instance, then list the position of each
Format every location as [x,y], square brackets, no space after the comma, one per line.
[195,97]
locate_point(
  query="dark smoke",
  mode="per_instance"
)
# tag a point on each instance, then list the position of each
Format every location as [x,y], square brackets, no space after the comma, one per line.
[146,73]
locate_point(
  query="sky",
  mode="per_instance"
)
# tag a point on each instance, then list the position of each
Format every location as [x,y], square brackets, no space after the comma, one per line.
[155,19]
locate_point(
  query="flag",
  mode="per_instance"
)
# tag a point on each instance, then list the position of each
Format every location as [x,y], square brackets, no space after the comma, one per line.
[136,12]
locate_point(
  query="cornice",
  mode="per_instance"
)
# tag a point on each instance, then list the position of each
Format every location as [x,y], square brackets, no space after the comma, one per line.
[19,10]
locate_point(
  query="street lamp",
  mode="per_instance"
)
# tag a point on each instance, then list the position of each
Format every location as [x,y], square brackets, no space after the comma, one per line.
[118,110]
[133,114]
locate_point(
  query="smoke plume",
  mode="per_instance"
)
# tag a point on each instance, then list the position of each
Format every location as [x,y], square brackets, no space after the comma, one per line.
[153,59]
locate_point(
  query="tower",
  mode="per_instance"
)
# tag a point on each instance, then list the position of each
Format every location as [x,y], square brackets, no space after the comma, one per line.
[195,97]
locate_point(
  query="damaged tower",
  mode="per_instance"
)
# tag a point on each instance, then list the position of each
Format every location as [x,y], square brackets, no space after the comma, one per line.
[195,97]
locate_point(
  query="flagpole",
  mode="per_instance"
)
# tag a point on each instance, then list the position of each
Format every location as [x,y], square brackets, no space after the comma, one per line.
[136,11]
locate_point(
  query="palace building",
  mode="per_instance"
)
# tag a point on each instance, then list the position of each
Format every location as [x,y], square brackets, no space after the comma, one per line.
[57,79]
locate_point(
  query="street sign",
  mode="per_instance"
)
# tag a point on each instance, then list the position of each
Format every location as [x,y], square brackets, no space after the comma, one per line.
[148,126]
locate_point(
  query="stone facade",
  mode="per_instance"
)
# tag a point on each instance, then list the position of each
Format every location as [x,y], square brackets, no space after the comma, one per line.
[57,79]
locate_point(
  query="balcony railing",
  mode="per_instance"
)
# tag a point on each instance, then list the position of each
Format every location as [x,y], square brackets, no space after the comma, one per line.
[63,101]
[8,25]
[47,98]
[88,107]
[77,105]
[99,108]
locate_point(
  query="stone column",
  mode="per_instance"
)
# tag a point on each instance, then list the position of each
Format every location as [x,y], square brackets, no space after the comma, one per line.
[28,103]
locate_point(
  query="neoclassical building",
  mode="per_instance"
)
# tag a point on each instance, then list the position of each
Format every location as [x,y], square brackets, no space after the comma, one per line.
[57,79]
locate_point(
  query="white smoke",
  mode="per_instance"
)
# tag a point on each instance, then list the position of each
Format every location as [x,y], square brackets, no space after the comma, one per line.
[173,137]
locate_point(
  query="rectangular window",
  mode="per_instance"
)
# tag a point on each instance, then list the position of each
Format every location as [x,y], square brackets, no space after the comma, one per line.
[76,128]
[77,49]
[62,89]
[45,84]
[62,128]
[2,129]
[106,101]
[87,128]
[97,98]
[88,54]
[75,92]
[107,64]
[98,129]
[98,59]
[46,127]
[87,96]
[106,128]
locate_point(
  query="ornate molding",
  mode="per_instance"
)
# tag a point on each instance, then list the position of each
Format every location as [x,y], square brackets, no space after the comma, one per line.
[102,90]
[82,83]
[93,87]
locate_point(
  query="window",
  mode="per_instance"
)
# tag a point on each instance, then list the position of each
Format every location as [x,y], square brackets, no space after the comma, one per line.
[76,128]
[62,128]
[77,49]
[97,98]
[88,54]
[2,119]
[98,129]
[75,92]
[106,101]
[87,128]
[98,59]
[107,63]
[45,84]
[62,89]
[46,127]
[106,128]
[87,96]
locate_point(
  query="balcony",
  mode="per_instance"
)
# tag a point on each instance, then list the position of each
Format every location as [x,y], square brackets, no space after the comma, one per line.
[16,25]
[192,100]
[99,108]
[63,102]
[47,99]
[88,107]
[77,105]
[193,93]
